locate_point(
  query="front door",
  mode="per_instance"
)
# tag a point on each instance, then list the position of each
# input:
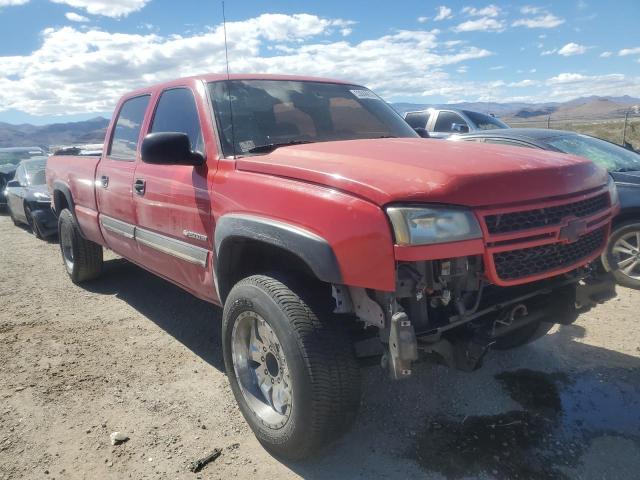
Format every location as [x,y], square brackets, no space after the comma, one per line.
[172,202]
[114,179]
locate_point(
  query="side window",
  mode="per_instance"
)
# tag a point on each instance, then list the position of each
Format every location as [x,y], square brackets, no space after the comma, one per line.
[445,122]
[177,112]
[124,142]
[417,119]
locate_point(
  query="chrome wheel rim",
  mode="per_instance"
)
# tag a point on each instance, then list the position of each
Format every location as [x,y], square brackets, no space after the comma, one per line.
[626,252]
[66,245]
[261,369]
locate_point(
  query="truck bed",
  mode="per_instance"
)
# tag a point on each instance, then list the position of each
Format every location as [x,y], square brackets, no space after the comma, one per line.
[75,175]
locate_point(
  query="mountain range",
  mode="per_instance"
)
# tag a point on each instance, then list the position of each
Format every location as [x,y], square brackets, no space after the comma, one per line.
[93,130]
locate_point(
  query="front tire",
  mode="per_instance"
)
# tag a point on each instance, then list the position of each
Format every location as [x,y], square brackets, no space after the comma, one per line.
[33,225]
[82,258]
[522,336]
[624,249]
[293,373]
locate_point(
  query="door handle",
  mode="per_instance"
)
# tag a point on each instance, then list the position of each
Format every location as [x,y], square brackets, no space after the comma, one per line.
[104,181]
[139,186]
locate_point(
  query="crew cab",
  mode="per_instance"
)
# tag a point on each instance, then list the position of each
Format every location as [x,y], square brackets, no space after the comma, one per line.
[330,232]
[442,123]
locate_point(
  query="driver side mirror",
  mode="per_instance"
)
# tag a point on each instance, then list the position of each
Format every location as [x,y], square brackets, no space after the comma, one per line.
[13,184]
[422,132]
[169,148]
[459,128]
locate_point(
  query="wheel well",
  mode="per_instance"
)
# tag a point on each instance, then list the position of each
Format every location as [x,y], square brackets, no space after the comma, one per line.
[239,258]
[59,201]
[625,217]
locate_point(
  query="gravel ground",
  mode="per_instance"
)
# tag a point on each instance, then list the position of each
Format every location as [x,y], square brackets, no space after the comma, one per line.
[132,353]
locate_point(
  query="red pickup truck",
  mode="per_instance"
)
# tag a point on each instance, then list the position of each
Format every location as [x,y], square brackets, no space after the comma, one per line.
[330,232]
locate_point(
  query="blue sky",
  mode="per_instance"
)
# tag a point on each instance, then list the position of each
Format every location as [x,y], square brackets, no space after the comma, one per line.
[71,59]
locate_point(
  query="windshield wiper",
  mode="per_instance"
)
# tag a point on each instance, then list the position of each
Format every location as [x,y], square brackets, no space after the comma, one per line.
[627,169]
[270,147]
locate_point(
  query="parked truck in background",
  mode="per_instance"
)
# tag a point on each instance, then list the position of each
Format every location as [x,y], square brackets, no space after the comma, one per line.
[442,123]
[329,232]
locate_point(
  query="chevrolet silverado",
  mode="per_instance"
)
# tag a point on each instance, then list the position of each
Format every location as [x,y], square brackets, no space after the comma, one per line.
[330,233]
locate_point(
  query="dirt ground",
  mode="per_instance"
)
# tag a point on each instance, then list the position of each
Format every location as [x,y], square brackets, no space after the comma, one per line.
[132,353]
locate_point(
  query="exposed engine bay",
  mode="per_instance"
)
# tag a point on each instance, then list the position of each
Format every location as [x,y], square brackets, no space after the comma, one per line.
[445,310]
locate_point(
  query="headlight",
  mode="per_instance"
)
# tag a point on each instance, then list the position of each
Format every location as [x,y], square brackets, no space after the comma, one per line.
[42,197]
[613,191]
[428,225]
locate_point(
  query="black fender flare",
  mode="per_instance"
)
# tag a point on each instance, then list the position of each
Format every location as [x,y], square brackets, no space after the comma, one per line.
[63,188]
[312,249]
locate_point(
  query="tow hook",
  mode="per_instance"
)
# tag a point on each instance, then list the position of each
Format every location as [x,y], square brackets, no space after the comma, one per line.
[403,347]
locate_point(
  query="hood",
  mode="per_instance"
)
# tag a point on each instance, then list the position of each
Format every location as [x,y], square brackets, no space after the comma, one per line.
[628,178]
[428,170]
[8,169]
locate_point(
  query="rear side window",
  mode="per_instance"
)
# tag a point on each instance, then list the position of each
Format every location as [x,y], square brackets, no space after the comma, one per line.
[445,121]
[177,112]
[124,142]
[417,119]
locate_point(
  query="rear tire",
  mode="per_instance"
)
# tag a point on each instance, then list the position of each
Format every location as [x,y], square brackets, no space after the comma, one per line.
[318,365]
[82,258]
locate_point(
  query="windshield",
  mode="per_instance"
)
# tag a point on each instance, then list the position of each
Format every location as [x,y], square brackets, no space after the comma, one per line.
[15,156]
[485,122]
[607,155]
[35,172]
[280,112]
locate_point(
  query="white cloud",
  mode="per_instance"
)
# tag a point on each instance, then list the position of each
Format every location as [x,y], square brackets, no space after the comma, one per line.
[572,49]
[573,85]
[547,20]
[549,52]
[423,19]
[606,54]
[74,17]
[530,10]
[107,8]
[629,51]
[484,24]
[488,11]
[524,83]
[81,71]
[497,67]
[443,13]
[12,3]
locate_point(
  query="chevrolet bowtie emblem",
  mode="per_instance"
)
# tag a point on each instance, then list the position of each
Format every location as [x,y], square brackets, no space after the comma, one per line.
[573,230]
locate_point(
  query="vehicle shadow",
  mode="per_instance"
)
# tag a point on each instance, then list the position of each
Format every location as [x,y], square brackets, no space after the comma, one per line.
[554,398]
[193,322]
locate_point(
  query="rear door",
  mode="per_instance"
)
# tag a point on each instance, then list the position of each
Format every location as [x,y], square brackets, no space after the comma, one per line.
[172,202]
[114,178]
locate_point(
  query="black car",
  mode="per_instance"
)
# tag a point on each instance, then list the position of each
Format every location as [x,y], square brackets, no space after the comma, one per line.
[9,160]
[623,165]
[28,199]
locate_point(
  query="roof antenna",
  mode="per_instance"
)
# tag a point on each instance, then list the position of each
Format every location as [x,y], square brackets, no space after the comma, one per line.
[226,56]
